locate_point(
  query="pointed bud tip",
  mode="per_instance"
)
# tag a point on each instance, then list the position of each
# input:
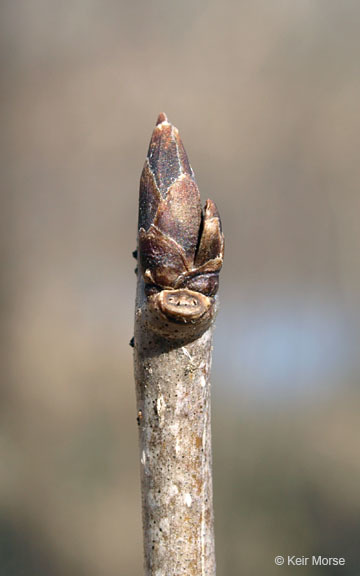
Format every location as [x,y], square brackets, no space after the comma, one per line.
[211,210]
[162,118]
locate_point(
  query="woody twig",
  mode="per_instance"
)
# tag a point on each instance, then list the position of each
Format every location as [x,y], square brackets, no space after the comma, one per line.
[179,253]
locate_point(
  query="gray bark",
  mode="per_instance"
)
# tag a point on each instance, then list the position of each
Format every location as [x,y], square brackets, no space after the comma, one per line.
[173,402]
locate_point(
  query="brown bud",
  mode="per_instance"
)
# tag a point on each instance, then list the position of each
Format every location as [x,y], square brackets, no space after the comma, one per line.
[180,247]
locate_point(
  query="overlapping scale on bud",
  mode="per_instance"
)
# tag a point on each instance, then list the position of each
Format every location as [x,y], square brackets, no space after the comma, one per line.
[180,245]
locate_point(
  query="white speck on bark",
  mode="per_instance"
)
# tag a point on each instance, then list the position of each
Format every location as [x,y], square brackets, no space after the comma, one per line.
[186,352]
[161,407]
[173,490]
[188,499]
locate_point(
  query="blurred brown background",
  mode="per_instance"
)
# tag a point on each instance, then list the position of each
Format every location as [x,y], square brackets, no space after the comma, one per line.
[266,98]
